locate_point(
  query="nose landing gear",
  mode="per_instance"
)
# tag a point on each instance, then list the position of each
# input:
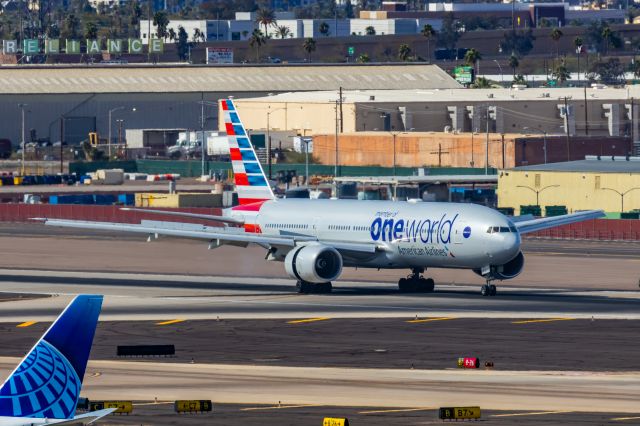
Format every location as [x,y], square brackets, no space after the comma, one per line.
[416,283]
[488,289]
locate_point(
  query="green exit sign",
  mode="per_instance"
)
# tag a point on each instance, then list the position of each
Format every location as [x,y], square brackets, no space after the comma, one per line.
[351,50]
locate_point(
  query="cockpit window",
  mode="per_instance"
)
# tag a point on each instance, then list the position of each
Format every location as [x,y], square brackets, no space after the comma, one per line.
[501,229]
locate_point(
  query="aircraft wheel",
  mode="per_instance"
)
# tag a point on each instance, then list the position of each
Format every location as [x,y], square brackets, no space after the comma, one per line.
[492,290]
[427,285]
[484,290]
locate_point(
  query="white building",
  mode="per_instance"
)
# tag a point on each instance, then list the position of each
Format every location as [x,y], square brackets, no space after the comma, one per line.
[211,30]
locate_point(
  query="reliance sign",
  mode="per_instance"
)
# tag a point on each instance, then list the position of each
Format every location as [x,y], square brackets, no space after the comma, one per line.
[73,47]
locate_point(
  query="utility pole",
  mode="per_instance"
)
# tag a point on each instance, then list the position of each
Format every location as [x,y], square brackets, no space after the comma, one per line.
[586,107]
[202,150]
[439,152]
[341,125]
[268,145]
[335,171]
[61,143]
[24,145]
[149,30]
[566,127]
[486,149]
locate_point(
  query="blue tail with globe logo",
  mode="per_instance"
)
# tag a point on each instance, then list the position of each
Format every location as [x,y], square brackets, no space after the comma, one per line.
[47,382]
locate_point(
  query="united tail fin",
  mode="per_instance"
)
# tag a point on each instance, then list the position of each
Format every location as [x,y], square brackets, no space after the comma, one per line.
[251,182]
[47,383]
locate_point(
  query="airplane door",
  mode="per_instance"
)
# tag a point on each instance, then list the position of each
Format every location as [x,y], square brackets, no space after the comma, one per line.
[459,232]
[316,226]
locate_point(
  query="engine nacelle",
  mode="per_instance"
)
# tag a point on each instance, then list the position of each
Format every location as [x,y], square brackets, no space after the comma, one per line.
[509,270]
[314,263]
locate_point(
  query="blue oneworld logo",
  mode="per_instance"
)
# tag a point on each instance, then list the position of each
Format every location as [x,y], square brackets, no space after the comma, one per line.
[386,227]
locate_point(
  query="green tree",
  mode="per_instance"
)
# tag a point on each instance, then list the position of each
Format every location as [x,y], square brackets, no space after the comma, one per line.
[324,29]
[513,64]
[404,52]
[282,31]
[577,43]
[519,79]
[560,73]
[481,83]
[556,35]
[609,72]
[266,18]
[309,46]
[610,39]
[428,32]
[370,31]
[348,10]
[161,22]
[90,30]
[182,44]
[634,67]
[71,27]
[472,57]
[256,41]
[518,42]
[449,33]
[172,34]
[363,58]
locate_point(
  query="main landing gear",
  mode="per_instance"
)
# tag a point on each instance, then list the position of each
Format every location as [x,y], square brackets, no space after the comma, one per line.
[488,289]
[305,287]
[416,283]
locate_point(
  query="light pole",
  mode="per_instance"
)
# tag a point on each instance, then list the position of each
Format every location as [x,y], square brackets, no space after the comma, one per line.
[621,194]
[202,122]
[500,67]
[111,111]
[22,111]
[269,112]
[537,191]
[544,133]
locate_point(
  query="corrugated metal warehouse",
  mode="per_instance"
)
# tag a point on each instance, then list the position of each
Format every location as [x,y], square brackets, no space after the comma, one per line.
[169,96]
[579,185]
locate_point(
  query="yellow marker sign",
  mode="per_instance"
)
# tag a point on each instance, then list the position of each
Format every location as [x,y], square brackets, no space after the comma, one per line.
[302,321]
[542,320]
[330,421]
[122,407]
[175,321]
[26,324]
[429,320]
[459,413]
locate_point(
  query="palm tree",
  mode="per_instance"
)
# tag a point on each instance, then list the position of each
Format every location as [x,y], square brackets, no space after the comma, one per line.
[283,31]
[90,31]
[309,45]
[428,32]
[266,18]
[256,41]
[161,22]
[472,57]
[370,30]
[514,63]
[561,73]
[607,35]
[556,35]
[364,58]
[577,42]
[324,29]
[404,51]
[172,34]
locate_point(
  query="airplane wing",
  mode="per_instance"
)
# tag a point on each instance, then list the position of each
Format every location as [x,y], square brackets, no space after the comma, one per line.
[209,233]
[223,219]
[526,226]
[85,419]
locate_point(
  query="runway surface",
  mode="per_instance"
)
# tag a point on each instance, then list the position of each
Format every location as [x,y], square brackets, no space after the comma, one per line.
[157,297]
[559,344]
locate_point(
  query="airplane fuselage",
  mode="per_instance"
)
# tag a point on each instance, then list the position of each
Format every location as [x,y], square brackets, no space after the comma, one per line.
[411,234]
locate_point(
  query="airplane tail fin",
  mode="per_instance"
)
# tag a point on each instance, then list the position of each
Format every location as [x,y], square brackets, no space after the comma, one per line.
[251,182]
[47,383]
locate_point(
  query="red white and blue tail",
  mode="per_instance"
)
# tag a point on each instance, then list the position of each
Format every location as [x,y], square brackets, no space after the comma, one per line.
[251,182]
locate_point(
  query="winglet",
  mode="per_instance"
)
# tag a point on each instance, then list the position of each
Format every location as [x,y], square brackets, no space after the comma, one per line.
[47,383]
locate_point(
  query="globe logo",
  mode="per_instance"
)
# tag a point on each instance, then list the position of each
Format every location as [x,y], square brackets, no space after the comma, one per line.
[466,232]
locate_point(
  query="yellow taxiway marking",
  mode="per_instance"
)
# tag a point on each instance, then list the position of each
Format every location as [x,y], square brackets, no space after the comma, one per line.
[429,320]
[302,321]
[26,324]
[175,321]
[543,320]
[621,419]
[399,410]
[278,407]
[534,413]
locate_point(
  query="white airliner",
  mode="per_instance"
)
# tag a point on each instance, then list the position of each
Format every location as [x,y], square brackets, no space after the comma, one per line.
[45,387]
[317,238]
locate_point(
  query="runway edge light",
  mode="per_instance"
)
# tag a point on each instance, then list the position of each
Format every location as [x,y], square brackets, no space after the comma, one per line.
[334,421]
[459,413]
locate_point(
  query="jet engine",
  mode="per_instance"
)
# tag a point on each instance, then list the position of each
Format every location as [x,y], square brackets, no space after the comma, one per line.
[314,263]
[509,270]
